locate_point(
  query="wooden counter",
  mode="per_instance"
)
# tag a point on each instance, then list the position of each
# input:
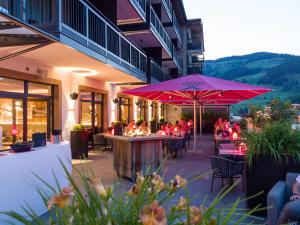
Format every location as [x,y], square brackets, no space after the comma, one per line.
[135,154]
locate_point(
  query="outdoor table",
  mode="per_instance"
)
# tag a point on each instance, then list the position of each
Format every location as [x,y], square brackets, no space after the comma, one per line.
[219,140]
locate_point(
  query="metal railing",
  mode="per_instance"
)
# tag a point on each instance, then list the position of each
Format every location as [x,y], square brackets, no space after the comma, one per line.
[177,59]
[177,27]
[29,11]
[160,30]
[168,6]
[141,5]
[88,23]
[156,70]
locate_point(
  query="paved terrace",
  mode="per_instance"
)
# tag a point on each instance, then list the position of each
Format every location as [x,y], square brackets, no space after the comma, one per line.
[192,163]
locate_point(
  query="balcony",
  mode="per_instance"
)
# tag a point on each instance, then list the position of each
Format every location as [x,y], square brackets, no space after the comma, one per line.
[156,73]
[166,9]
[77,24]
[173,29]
[174,62]
[131,11]
[151,34]
[160,31]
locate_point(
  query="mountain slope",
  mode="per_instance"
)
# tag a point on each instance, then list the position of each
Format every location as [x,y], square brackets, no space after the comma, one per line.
[280,72]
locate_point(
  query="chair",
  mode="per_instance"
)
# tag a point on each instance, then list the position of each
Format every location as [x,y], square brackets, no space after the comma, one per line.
[226,168]
[173,146]
[278,196]
[96,142]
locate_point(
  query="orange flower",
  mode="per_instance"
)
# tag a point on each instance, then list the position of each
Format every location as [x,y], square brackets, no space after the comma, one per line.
[135,190]
[62,199]
[153,214]
[195,215]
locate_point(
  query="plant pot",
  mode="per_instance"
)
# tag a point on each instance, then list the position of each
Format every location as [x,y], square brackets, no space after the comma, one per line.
[79,144]
[154,126]
[263,175]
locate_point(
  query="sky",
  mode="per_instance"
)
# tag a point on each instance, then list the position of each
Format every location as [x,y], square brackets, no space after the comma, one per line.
[238,27]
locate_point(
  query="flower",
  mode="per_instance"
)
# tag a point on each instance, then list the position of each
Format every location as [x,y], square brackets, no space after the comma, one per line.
[195,215]
[62,199]
[181,204]
[98,186]
[153,214]
[135,190]
[178,182]
[157,183]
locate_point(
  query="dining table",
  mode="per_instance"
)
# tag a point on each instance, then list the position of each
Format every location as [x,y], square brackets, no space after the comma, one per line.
[230,150]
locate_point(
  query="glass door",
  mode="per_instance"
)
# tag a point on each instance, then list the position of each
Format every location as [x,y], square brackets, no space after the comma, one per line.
[37,116]
[11,121]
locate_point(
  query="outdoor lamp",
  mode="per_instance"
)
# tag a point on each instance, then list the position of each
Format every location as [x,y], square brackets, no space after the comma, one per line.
[74,96]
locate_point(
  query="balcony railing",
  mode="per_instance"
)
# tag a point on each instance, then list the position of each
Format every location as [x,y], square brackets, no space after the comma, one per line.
[168,6]
[30,11]
[82,22]
[141,5]
[156,70]
[101,35]
[160,30]
[177,59]
[177,27]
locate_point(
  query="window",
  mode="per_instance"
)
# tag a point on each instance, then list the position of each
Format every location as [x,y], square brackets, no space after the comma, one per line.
[154,110]
[124,110]
[142,109]
[25,108]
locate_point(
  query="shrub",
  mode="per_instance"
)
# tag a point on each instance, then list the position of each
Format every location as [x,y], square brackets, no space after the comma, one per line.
[276,139]
[78,128]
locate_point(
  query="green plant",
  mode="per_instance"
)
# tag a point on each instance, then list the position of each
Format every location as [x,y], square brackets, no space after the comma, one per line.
[78,128]
[154,119]
[276,139]
[139,122]
[117,123]
[162,120]
[150,201]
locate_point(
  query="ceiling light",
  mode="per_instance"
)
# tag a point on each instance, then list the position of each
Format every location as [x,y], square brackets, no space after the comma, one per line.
[79,71]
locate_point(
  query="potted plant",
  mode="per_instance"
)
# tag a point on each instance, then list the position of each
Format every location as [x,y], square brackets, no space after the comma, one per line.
[139,122]
[118,129]
[154,125]
[79,141]
[272,152]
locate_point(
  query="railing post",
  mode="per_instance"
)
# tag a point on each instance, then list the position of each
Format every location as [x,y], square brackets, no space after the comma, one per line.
[87,23]
[60,14]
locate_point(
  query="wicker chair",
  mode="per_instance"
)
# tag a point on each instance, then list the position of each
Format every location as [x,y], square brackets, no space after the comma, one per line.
[226,168]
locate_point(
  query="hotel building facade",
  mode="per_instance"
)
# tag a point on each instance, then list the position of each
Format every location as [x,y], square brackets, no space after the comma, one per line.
[64,62]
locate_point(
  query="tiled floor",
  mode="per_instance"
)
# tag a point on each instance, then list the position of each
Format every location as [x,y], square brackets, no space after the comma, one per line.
[191,164]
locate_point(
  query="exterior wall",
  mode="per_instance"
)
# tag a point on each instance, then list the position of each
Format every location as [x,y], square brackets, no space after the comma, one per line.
[173,113]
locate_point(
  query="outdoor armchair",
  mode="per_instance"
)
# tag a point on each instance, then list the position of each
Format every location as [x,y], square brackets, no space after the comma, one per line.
[278,196]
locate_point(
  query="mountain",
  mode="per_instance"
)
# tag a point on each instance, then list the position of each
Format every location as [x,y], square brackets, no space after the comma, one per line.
[281,72]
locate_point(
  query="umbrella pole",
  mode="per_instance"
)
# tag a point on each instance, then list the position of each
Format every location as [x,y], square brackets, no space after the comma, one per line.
[195,124]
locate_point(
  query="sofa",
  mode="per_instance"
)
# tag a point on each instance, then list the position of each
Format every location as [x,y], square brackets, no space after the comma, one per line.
[278,196]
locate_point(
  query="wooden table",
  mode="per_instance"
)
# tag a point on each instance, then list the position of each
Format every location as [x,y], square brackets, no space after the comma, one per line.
[136,154]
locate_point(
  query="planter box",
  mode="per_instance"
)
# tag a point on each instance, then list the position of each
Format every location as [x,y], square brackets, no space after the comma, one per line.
[79,144]
[263,175]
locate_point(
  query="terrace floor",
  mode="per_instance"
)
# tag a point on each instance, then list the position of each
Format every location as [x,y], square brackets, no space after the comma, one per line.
[192,163]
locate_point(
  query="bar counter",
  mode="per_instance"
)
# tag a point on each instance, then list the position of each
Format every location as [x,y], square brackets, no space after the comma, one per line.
[136,154]
[18,182]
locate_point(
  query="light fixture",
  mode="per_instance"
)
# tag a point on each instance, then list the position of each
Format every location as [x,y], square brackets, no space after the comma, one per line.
[74,96]
[78,71]
[115,100]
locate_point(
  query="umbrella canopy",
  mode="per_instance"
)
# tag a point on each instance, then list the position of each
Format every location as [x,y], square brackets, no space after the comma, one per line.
[200,87]
[193,89]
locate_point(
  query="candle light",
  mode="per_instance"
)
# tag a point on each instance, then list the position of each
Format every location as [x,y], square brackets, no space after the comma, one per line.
[113,131]
[234,136]
[14,130]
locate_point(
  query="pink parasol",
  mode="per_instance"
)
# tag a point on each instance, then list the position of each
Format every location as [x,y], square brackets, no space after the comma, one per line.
[193,89]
